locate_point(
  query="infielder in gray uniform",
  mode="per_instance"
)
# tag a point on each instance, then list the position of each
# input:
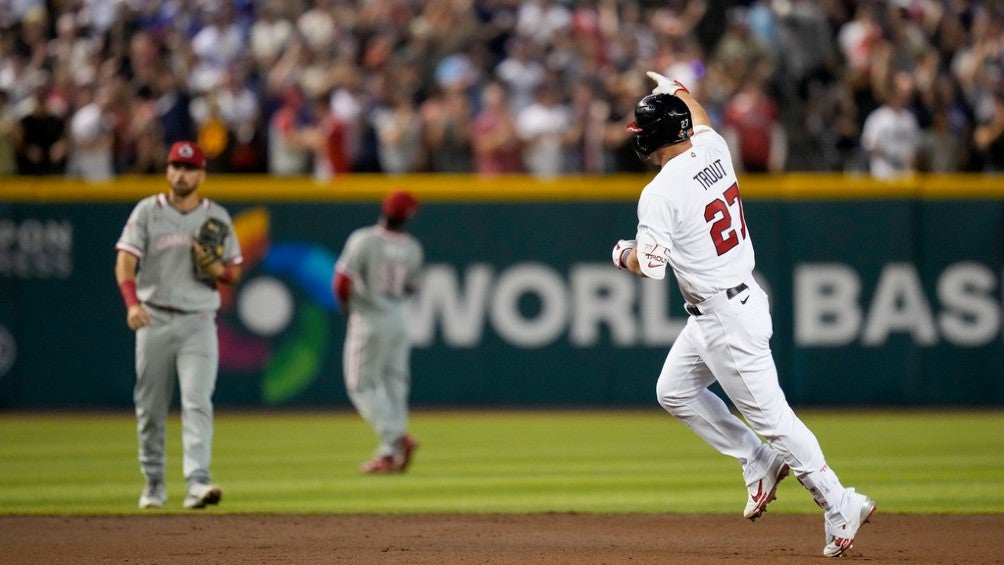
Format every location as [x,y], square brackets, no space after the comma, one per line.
[378,269]
[168,281]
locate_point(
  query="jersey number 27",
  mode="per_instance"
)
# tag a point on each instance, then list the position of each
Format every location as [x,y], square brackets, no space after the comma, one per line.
[717,214]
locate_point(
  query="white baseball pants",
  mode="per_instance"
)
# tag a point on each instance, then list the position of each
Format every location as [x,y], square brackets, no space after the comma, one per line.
[729,342]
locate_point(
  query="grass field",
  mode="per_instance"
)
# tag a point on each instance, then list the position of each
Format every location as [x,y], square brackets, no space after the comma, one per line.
[498,462]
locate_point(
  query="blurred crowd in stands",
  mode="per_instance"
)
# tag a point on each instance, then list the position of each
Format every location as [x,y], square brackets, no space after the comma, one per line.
[99,88]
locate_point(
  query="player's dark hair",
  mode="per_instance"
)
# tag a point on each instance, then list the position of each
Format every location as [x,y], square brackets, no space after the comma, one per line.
[394,224]
[660,120]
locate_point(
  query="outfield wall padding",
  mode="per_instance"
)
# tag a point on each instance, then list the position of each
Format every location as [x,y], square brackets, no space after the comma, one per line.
[882,293]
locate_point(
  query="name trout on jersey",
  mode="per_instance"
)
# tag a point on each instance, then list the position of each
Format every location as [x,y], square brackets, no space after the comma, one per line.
[711,174]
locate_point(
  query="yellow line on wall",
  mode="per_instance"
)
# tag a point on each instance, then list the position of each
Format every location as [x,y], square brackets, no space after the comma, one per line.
[506,188]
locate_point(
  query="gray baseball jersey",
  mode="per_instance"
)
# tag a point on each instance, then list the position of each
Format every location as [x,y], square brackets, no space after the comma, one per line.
[181,340]
[384,267]
[161,237]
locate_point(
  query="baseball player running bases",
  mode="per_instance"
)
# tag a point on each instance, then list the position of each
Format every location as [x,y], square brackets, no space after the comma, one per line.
[690,219]
[168,280]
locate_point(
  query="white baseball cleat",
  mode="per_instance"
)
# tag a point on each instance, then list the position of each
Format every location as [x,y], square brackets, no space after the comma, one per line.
[762,492]
[154,495]
[843,537]
[201,495]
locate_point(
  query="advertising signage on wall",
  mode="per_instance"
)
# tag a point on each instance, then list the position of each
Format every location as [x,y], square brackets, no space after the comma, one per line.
[36,248]
[519,305]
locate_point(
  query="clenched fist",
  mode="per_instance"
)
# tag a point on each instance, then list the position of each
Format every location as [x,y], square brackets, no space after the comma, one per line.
[620,251]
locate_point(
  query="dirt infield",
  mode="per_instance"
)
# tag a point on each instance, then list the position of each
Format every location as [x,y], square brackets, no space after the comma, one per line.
[538,538]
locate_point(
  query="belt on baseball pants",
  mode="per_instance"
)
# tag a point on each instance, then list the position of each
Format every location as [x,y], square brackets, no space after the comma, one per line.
[168,309]
[730,293]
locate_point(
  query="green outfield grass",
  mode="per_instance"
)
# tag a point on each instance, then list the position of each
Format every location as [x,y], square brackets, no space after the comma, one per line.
[492,462]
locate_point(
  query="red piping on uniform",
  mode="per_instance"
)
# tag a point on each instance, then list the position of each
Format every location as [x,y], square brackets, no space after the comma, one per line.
[353,353]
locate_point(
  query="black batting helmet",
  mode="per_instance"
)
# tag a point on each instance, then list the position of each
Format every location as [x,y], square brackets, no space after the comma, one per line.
[659,120]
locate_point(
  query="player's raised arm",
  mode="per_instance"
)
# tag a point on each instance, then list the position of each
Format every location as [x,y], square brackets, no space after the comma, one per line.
[666,85]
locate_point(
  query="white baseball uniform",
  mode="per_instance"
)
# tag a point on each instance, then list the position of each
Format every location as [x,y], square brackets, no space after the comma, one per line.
[690,217]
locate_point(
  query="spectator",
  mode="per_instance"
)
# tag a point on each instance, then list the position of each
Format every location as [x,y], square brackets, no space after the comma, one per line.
[521,72]
[41,139]
[545,130]
[740,52]
[328,137]
[446,122]
[213,135]
[34,28]
[447,28]
[825,64]
[940,150]
[495,143]
[145,63]
[173,110]
[399,135]
[805,83]
[891,134]
[839,128]
[289,150]
[70,49]
[271,34]
[218,46]
[989,138]
[540,20]
[92,136]
[8,125]
[979,67]
[17,75]
[123,111]
[314,72]
[366,155]
[99,16]
[304,66]
[626,90]
[347,100]
[857,39]
[144,134]
[589,113]
[754,131]
[631,38]
[316,26]
[13,12]
[236,107]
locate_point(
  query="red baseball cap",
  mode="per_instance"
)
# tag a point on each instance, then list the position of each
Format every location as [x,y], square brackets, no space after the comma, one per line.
[399,205]
[187,152]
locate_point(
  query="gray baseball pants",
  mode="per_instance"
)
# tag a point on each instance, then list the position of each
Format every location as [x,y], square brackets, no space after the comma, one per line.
[182,346]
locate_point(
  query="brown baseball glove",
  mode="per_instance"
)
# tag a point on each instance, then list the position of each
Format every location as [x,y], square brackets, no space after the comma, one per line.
[211,236]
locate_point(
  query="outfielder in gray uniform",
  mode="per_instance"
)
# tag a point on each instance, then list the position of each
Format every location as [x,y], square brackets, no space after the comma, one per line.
[172,307]
[377,271]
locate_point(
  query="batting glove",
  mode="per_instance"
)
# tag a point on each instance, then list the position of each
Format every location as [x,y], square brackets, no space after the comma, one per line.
[621,251]
[665,85]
